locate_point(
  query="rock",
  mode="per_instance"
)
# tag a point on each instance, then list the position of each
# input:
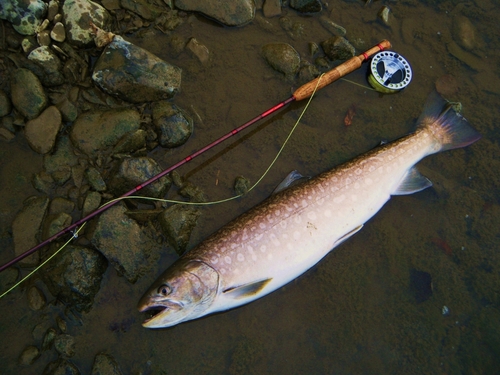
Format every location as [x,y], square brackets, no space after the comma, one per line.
[94,131]
[192,192]
[177,222]
[306,6]
[384,15]
[338,48]
[26,227]
[5,104]
[36,298]
[60,367]
[58,32]
[25,16]
[104,364]
[74,277]
[271,8]
[43,182]
[142,8]
[68,110]
[48,339]
[241,185]
[55,223]
[175,126]
[331,26]
[61,324]
[29,355]
[62,158]
[229,13]
[43,38]
[282,57]
[95,179]
[134,74]
[123,242]
[133,171]
[464,33]
[91,203]
[65,345]
[59,205]
[6,135]
[131,142]
[78,14]
[42,131]
[28,96]
[198,49]
[52,10]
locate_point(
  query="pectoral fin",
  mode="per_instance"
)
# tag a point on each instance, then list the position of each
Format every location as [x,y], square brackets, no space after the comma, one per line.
[412,182]
[347,235]
[246,290]
[292,178]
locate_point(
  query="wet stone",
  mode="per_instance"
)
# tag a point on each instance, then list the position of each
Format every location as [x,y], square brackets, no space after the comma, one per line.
[52,10]
[134,74]
[131,142]
[241,185]
[68,110]
[48,60]
[177,223]
[91,203]
[28,96]
[123,242]
[62,157]
[194,193]
[60,367]
[95,179]
[43,182]
[133,171]
[48,339]
[55,223]
[199,50]
[5,104]
[338,48]
[26,227]
[25,16]
[65,345]
[29,355]
[58,32]
[306,6]
[331,26]
[271,8]
[36,298]
[282,57]
[43,38]
[105,364]
[229,13]
[60,204]
[75,276]
[464,32]
[77,17]
[142,8]
[94,131]
[42,131]
[174,125]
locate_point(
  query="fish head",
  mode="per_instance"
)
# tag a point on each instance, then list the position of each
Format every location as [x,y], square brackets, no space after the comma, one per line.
[183,292]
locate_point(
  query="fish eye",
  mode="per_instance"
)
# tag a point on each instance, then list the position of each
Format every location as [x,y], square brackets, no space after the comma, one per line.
[164,290]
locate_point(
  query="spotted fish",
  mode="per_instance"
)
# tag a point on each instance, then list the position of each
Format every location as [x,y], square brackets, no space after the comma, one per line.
[292,230]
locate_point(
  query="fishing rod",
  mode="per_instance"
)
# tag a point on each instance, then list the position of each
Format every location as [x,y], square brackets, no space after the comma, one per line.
[303,92]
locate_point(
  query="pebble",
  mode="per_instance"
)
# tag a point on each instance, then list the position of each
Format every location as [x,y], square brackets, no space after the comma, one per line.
[104,364]
[58,32]
[59,367]
[175,126]
[46,58]
[229,13]
[42,131]
[29,355]
[65,345]
[198,49]
[77,17]
[43,38]
[27,93]
[53,9]
[282,57]
[338,48]
[36,298]
[271,8]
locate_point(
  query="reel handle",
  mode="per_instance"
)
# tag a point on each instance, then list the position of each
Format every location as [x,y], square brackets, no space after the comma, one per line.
[306,90]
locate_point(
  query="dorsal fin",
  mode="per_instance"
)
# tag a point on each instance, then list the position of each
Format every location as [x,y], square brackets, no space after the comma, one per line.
[246,290]
[412,182]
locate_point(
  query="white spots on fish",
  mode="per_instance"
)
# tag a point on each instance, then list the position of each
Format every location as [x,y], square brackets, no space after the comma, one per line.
[262,226]
[304,203]
[358,171]
[297,219]
[270,218]
[259,236]
[222,271]
[348,181]
[263,248]
[339,199]
[288,208]
[214,260]
[368,181]
[311,215]
[320,201]
[371,169]
[283,224]
[274,239]
[240,257]
[277,213]
[227,259]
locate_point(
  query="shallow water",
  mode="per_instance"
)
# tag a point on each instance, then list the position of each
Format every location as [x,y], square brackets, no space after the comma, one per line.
[355,312]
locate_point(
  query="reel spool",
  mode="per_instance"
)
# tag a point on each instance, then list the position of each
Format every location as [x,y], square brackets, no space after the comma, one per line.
[389,72]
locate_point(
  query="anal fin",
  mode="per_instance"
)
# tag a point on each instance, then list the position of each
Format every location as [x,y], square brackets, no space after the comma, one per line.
[246,290]
[412,182]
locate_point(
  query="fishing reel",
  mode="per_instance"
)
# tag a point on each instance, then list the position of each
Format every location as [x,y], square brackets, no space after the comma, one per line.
[389,72]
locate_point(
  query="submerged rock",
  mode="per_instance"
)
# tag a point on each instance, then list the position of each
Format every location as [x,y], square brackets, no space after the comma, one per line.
[94,131]
[464,33]
[74,277]
[134,74]
[105,364]
[25,16]
[177,222]
[133,171]
[282,57]
[29,355]
[28,96]
[174,125]
[241,185]
[78,14]
[36,298]
[123,242]
[60,367]
[5,104]
[306,6]
[26,227]
[42,131]
[65,345]
[338,48]
[229,13]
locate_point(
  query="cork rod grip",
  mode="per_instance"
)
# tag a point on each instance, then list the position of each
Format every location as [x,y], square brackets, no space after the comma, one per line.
[306,90]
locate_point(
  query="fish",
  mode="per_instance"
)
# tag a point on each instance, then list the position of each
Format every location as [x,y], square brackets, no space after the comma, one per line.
[293,229]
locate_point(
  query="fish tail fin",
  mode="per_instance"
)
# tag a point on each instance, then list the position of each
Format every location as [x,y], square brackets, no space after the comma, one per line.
[449,128]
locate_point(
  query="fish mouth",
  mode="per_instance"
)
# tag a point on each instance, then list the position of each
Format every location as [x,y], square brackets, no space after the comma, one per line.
[157,314]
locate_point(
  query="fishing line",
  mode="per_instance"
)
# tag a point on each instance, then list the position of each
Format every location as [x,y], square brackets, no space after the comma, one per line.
[75,234]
